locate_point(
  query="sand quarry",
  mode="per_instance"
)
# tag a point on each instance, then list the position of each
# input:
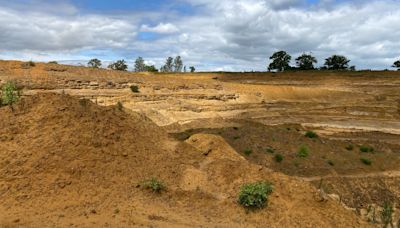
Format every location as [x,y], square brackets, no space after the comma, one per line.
[71,157]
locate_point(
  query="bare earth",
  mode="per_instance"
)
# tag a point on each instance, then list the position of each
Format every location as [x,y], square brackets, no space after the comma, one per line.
[67,162]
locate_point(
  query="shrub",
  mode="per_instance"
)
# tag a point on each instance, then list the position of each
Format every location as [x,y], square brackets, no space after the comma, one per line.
[53,62]
[349,147]
[27,65]
[120,106]
[311,135]
[154,185]
[270,150]
[248,152]
[10,93]
[366,161]
[135,89]
[367,149]
[255,195]
[387,214]
[279,158]
[303,151]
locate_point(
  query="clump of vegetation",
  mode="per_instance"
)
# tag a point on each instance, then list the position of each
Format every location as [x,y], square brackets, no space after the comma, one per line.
[154,185]
[311,135]
[235,128]
[303,151]
[248,152]
[366,161]
[236,137]
[387,215]
[120,106]
[27,65]
[94,63]
[10,93]
[119,65]
[331,163]
[255,195]
[278,158]
[135,89]
[53,62]
[270,150]
[349,147]
[367,149]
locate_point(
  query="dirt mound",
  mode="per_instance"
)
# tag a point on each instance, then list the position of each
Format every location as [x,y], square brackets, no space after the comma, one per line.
[68,162]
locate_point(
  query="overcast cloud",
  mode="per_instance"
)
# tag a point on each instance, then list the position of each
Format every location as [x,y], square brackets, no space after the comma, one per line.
[211,35]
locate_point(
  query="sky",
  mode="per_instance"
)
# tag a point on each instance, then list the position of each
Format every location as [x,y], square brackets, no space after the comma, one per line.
[212,35]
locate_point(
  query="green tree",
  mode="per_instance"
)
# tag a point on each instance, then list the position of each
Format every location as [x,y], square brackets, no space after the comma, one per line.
[94,63]
[280,61]
[396,64]
[178,64]
[151,68]
[169,64]
[119,65]
[140,66]
[192,69]
[337,62]
[306,62]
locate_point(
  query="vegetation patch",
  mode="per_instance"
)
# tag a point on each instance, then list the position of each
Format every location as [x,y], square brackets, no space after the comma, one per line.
[366,149]
[330,162]
[255,195]
[135,89]
[311,135]
[366,161]
[270,150]
[349,147]
[387,215]
[303,151]
[154,185]
[248,152]
[278,158]
[10,94]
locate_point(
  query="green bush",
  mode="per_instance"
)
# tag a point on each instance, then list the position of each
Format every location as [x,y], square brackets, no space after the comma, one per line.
[349,147]
[10,93]
[135,89]
[270,150]
[311,135]
[303,151]
[248,152]
[255,195]
[387,215]
[367,149]
[366,161]
[278,158]
[154,185]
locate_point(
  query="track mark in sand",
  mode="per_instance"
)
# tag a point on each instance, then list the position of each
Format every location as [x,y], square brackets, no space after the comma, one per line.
[352,176]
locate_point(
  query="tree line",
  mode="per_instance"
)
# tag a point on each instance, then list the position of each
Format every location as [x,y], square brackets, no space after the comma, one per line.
[171,65]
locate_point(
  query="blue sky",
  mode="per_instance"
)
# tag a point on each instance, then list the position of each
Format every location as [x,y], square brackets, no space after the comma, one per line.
[211,35]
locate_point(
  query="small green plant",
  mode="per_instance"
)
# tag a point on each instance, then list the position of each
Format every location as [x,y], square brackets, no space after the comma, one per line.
[270,150]
[10,93]
[366,161]
[303,151]
[367,149]
[154,185]
[349,147]
[236,137]
[387,215]
[120,106]
[248,152]
[83,102]
[135,89]
[255,195]
[331,163]
[278,158]
[311,135]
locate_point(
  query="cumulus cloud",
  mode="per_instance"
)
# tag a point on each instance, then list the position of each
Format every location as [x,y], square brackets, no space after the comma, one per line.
[224,34]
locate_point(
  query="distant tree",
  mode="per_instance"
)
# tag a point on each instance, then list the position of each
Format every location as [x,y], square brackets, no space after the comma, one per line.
[94,63]
[280,61]
[53,62]
[140,66]
[396,64]
[169,64]
[151,68]
[178,64]
[119,65]
[306,62]
[192,69]
[337,62]
[184,69]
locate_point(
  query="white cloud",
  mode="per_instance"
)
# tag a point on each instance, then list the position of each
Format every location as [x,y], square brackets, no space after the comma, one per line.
[160,28]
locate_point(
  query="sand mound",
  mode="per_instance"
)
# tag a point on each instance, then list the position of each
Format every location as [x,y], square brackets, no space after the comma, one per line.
[68,162]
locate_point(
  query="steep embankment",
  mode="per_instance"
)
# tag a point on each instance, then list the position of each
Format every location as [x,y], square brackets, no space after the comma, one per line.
[65,161]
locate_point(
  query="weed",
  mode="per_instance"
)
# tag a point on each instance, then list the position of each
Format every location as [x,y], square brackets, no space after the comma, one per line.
[120,106]
[303,151]
[255,195]
[236,137]
[154,185]
[349,147]
[83,102]
[366,161]
[331,163]
[10,93]
[135,89]
[367,149]
[387,215]
[248,152]
[270,150]
[278,158]
[311,135]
